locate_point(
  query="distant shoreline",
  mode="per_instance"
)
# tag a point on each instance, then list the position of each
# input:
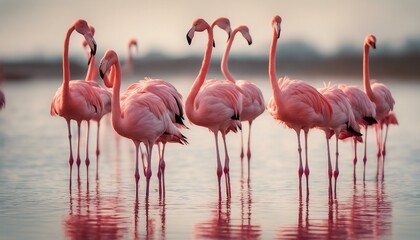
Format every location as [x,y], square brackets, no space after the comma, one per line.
[401,67]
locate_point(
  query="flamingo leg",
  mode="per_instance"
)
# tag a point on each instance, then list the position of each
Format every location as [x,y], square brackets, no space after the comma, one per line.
[306,161]
[149,148]
[248,153]
[87,161]
[300,169]
[336,172]
[97,147]
[354,159]
[219,164]
[364,154]
[142,159]
[329,157]
[159,173]
[71,151]
[136,172]
[242,145]
[384,149]
[226,169]
[78,161]
[162,168]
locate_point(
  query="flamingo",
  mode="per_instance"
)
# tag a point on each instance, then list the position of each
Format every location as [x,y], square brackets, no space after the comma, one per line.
[253,103]
[132,43]
[342,118]
[295,103]
[141,116]
[379,94]
[364,114]
[106,96]
[215,104]
[173,103]
[76,100]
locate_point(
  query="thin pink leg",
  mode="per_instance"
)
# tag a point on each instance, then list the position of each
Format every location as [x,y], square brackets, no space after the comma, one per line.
[354,159]
[336,172]
[97,141]
[159,173]
[149,148]
[330,172]
[300,169]
[219,171]
[136,172]
[384,149]
[306,162]
[248,153]
[71,151]
[364,154]
[226,169]
[242,144]
[78,161]
[142,159]
[87,161]
[162,168]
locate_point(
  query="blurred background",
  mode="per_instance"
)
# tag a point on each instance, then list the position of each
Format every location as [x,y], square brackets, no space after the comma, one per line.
[318,38]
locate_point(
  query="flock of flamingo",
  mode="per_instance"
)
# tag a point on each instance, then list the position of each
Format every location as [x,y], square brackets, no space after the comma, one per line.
[151,111]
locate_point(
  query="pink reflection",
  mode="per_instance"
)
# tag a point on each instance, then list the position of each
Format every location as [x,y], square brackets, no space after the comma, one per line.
[220,225]
[97,217]
[153,228]
[366,215]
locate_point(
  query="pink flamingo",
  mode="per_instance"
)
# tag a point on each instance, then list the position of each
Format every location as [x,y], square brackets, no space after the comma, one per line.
[295,103]
[364,114]
[216,105]
[76,100]
[342,118]
[141,116]
[173,103]
[253,103]
[132,43]
[379,94]
[106,96]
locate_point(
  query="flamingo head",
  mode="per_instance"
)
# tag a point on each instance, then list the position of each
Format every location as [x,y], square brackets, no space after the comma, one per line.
[109,59]
[276,25]
[82,27]
[370,41]
[132,43]
[224,24]
[244,30]
[199,25]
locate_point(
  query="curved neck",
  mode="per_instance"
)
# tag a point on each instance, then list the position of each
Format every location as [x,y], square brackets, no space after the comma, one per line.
[66,67]
[189,101]
[225,59]
[366,80]
[115,76]
[272,68]
[91,73]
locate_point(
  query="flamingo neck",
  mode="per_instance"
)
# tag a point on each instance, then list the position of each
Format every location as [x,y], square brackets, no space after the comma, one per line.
[66,67]
[366,78]
[189,101]
[225,59]
[116,106]
[272,69]
[91,73]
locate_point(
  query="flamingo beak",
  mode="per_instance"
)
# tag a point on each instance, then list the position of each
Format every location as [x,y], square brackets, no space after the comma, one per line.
[190,35]
[374,45]
[101,72]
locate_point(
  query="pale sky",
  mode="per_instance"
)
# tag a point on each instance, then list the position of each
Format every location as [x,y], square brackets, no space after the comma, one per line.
[37,28]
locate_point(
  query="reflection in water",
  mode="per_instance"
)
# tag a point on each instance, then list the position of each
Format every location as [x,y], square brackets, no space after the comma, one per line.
[221,226]
[94,218]
[367,214]
[151,227]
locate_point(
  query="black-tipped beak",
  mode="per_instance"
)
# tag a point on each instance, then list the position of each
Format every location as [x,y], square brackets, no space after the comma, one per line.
[374,45]
[228,37]
[189,40]
[249,42]
[92,53]
[101,73]
[214,43]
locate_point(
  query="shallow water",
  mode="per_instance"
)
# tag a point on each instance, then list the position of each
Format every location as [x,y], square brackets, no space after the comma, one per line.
[39,201]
